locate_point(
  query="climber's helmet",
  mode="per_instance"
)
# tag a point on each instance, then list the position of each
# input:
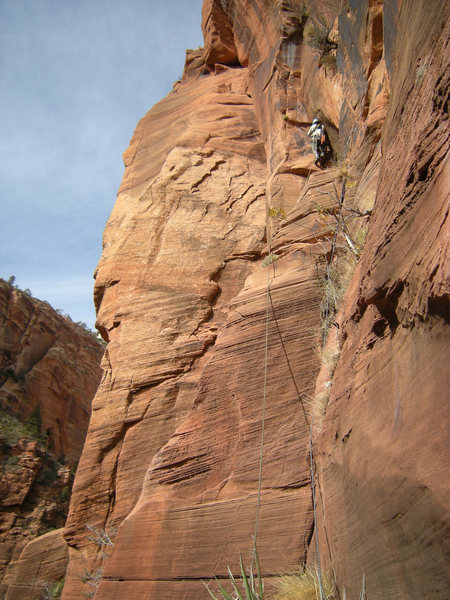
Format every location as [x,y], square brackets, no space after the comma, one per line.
[315,121]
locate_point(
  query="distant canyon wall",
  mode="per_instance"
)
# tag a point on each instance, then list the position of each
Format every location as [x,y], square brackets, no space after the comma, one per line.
[50,364]
[49,373]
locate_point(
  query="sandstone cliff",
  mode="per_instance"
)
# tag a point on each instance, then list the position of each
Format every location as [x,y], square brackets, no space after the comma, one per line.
[207,343]
[49,372]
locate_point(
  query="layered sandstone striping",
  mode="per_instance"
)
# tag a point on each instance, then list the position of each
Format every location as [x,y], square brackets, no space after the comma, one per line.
[41,570]
[49,372]
[202,335]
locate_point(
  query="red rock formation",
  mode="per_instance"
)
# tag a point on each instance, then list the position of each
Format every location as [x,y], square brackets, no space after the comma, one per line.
[49,363]
[15,485]
[197,345]
[49,372]
[385,443]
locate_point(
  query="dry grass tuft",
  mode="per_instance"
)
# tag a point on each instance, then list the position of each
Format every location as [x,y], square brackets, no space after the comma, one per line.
[270,258]
[277,213]
[330,356]
[334,285]
[303,585]
[343,171]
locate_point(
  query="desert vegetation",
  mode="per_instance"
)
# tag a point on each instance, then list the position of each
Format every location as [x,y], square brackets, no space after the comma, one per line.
[318,37]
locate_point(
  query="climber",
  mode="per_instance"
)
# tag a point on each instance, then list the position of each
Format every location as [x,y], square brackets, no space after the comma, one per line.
[320,143]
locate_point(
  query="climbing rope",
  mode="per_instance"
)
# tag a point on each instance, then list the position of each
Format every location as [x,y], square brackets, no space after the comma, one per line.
[313,492]
[263,417]
[264,404]
[266,351]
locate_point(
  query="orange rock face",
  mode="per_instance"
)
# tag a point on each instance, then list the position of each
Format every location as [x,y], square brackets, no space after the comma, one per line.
[211,294]
[41,568]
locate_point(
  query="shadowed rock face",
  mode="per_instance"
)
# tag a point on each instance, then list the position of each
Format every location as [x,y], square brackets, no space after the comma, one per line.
[49,372]
[202,335]
[384,446]
[48,363]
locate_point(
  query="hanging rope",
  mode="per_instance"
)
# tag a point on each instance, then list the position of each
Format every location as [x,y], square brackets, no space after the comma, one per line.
[266,351]
[263,417]
[269,304]
[313,491]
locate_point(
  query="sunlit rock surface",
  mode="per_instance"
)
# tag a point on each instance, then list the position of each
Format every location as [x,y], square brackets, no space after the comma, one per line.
[203,332]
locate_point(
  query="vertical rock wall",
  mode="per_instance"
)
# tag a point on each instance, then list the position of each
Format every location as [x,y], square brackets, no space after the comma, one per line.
[202,336]
[385,443]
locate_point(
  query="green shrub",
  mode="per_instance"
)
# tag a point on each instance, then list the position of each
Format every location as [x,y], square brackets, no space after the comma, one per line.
[11,463]
[317,36]
[44,530]
[49,474]
[52,591]
[12,429]
[252,587]
[33,425]
[65,493]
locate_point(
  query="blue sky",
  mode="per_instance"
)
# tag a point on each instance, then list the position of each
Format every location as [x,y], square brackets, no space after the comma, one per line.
[75,78]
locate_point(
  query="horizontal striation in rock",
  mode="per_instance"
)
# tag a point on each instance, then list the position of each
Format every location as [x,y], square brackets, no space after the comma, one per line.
[176,249]
[42,562]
